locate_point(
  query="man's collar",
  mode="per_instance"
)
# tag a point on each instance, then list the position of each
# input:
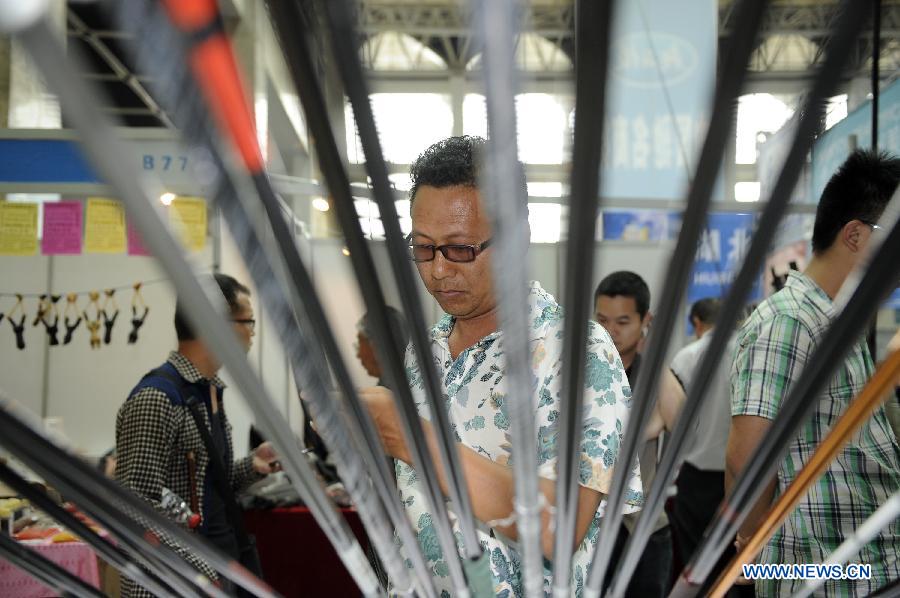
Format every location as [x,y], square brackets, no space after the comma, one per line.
[812,291]
[187,370]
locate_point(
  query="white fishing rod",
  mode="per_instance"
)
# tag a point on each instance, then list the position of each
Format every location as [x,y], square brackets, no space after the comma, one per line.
[496,22]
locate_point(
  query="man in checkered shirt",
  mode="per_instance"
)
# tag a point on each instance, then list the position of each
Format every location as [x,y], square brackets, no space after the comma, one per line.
[773,348]
[159,445]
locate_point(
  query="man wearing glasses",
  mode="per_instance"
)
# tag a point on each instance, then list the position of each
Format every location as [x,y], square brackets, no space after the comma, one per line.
[161,445]
[451,246]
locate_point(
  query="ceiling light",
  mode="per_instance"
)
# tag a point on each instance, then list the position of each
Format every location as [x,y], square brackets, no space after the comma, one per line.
[321,204]
[167,198]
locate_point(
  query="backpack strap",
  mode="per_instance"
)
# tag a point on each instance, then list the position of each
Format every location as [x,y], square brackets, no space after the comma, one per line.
[166,379]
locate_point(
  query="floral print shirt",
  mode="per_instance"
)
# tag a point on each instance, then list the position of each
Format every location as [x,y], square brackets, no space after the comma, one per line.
[475,393]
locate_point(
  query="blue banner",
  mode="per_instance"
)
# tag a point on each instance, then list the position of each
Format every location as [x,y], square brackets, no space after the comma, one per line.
[662,52]
[720,255]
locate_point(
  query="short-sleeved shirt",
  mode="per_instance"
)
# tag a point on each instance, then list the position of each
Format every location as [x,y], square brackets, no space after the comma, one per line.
[710,435]
[772,350]
[475,392]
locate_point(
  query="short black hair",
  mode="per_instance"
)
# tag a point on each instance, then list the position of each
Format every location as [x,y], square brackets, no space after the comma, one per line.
[230,288]
[454,161]
[626,284]
[706,310]
[396,321]
[859,190]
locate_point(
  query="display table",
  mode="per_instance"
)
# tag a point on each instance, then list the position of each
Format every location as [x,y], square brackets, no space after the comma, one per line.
[296,556]
[75,557]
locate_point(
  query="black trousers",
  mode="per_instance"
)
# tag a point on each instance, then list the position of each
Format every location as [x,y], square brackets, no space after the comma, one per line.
[651,577]
[699,494]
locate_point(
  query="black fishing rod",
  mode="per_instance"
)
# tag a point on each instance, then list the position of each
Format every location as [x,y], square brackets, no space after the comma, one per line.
[343,35]
[733,306]
[130,519]
[593,24]
[44,570]
[309,366]
[695,216]
[115,556]
[880,279]
[293,38]
[731,78]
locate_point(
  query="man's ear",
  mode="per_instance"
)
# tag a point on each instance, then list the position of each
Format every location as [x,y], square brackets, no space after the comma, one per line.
[852,235]
[645,323]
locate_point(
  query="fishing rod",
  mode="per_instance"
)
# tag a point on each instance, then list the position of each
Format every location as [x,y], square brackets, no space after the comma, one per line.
[112,554]
[747,277]
[877,521]
[107,153]
[295,47]
[342,36]
[593,25]
[319,398]
[879,280]
[44,570]
[873,394]
[496,23]
[129,518]
[309,369]
[647,383]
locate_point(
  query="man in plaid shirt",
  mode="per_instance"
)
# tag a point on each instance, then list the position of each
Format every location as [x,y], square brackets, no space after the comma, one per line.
[773,348]
[159,445]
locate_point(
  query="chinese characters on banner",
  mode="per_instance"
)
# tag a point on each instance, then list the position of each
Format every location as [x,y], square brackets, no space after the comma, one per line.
[187,215]
[662,73]
[62,228]
[720,255]
[105,226]
[18,228]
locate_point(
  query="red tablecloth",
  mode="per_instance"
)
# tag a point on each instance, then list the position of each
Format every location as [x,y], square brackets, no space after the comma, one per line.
[297,559]
[75,557]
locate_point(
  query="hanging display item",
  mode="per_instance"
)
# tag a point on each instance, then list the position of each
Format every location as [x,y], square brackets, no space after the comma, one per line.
[43,307]
[109,319]
[137,303]
[50,319]
[93,325]
[99,314]
[69,319]
[18,329]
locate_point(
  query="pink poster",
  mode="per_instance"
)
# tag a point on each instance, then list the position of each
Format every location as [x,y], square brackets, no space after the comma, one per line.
[62,228]
[135,244]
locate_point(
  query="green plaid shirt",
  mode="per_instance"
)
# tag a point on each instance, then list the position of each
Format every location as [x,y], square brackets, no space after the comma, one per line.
[772,349]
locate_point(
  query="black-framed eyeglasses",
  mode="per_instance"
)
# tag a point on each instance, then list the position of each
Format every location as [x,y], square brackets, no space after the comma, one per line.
[249,322]
[452,253]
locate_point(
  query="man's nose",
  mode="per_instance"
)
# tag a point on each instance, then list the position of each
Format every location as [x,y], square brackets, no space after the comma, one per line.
[440,267]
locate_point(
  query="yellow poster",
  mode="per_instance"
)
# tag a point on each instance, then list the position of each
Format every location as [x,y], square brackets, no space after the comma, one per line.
[18,228]
[104,228]
[187,216]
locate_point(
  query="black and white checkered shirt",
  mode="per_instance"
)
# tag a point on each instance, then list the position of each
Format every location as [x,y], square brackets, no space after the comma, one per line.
[155,433]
